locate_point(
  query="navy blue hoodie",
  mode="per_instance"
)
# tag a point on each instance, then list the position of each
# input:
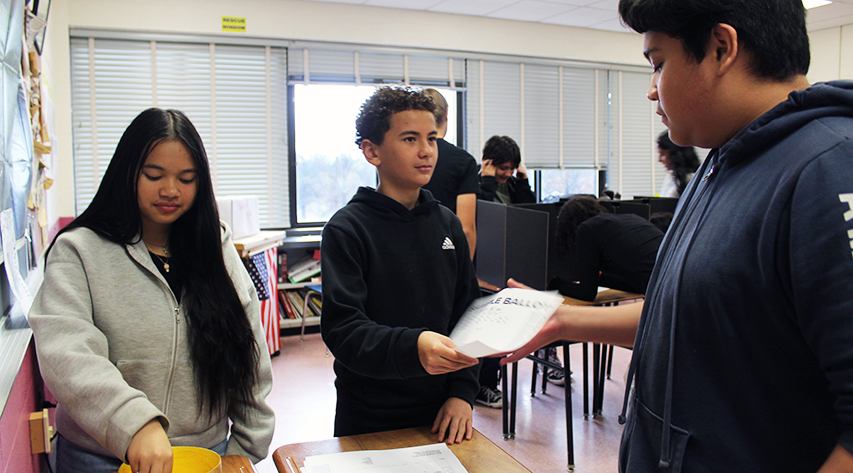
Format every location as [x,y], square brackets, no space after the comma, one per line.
[390,273]
[743,359]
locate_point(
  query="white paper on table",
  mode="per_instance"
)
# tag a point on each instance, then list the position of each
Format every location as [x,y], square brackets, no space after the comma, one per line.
[425,458]
[504,321]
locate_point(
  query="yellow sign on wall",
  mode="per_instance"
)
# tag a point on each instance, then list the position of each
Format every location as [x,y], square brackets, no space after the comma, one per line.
[233,24]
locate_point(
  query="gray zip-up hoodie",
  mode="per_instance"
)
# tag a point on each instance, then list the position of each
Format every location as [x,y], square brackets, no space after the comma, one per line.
[112,348]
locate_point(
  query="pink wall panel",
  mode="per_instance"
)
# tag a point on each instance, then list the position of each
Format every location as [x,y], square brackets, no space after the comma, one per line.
[15,455]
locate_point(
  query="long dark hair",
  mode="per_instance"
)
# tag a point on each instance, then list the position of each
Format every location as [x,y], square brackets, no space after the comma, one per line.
[574,212]
[223,349]
[681,160]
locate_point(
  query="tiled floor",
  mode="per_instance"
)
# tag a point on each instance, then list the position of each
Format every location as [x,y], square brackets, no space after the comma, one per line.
[304,401]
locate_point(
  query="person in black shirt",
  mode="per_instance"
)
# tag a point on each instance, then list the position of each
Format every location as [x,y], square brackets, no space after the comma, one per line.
[598,248]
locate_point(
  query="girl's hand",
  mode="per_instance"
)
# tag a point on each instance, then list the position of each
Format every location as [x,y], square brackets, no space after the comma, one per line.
[150,450]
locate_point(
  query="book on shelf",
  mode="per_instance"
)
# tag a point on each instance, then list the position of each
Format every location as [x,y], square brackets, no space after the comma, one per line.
[285,303]
[296,302]
[304,269]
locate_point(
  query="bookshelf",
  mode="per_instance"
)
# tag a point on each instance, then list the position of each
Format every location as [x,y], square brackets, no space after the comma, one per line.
[297,247]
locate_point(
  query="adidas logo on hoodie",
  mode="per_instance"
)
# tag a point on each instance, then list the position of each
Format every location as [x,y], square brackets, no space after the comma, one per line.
[448,244]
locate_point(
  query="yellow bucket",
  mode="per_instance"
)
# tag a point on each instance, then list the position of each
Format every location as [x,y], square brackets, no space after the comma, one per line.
[190,460]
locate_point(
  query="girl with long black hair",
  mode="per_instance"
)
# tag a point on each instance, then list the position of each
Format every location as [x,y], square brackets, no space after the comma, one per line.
[147,326]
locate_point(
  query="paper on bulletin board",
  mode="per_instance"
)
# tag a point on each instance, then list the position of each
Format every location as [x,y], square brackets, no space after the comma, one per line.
[10,261]
[504,321]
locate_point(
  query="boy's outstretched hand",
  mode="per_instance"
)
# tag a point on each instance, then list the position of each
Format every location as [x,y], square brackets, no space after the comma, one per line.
[454,421]
[438,355]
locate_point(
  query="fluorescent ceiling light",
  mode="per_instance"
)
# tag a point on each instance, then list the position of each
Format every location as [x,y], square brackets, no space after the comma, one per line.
[815,3]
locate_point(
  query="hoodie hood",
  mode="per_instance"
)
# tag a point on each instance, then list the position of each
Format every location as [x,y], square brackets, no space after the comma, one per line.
[391,209]
[828,99]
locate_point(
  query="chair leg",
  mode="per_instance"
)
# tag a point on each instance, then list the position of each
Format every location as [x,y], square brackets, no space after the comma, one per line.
[533,379]
[585,381]
[505,406]
[601,375]
[569,424]
[512,399]
[610,361]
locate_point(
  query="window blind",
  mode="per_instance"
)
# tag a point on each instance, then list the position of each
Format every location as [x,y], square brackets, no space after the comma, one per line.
[234,95]
[365,66]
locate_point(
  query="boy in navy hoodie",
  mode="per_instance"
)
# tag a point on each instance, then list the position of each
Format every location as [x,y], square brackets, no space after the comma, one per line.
[396,278]
[743,353]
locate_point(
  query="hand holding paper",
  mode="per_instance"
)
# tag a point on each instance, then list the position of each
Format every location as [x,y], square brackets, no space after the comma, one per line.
[503,322]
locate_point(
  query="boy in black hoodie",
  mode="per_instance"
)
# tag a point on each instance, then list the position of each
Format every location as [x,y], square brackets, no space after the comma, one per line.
[743,354]
[396,278]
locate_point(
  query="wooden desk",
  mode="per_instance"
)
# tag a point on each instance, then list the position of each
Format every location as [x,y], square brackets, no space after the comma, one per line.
[478,455]
[236,464]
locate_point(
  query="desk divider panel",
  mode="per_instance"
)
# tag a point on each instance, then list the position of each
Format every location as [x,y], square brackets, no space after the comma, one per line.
[512,242]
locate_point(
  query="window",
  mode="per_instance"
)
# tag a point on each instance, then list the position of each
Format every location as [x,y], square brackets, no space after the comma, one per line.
[235,95]
[557,183]
[329,166]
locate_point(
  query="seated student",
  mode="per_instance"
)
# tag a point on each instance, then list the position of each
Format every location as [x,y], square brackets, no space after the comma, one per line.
[148,327]
[454,181]
[396,278]
[599,248]
[502,159]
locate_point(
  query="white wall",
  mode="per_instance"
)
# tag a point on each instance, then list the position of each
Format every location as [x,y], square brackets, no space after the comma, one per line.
[832,54]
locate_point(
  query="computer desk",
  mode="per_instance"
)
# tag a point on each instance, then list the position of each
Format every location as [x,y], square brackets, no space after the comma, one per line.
[478,455]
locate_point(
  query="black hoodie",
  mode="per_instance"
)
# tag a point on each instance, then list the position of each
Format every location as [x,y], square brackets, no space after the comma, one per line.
[743,359]
[390,273]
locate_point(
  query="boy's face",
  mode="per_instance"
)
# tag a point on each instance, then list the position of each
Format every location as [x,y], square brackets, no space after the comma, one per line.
[406,158]
[503,172]
[683,90]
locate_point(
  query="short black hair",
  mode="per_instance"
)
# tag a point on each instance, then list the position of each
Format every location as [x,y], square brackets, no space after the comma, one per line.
[773,32]
[502,149]
[374,118]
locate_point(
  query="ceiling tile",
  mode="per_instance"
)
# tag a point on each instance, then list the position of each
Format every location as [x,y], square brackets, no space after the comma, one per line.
[405,4]
[471,7]
[582,16]
[530,10]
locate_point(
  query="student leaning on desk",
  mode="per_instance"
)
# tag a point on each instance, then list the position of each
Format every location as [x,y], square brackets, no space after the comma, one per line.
[147,326]
[743,350]
[396,278]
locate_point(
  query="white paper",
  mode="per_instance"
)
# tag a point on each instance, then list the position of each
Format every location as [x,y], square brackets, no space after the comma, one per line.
[435,458]
[503,322]
[10,259]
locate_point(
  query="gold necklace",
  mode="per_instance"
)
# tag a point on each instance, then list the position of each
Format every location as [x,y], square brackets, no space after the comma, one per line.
[164,260]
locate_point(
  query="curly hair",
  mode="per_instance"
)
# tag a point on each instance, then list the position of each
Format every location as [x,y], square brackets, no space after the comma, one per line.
[374,117]
[772,31]
[681,160]
[574,212]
